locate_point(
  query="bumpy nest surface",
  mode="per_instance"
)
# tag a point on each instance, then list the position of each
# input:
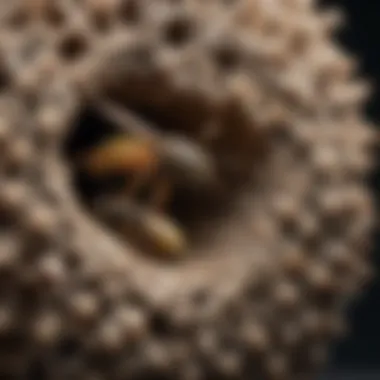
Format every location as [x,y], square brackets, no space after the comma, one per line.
[262,293]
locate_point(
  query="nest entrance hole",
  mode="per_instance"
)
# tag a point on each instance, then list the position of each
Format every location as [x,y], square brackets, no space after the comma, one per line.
[187,208]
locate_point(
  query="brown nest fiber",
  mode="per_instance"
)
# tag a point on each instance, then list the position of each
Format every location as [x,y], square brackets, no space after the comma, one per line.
[261,290]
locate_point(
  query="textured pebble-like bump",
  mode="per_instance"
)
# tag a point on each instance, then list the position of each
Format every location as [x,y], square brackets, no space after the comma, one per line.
[263,294]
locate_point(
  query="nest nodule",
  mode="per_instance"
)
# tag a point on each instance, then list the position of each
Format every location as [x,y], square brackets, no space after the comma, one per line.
[273,252]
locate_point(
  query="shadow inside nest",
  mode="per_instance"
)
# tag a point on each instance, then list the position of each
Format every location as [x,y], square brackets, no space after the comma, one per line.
[197,194]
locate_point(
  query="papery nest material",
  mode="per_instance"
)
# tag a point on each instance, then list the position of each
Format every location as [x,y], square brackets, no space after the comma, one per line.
[263,291]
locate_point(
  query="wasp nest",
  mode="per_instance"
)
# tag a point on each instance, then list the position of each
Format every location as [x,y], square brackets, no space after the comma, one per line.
[279,244]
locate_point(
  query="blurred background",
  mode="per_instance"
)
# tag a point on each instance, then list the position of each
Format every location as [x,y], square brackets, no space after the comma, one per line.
[358,357]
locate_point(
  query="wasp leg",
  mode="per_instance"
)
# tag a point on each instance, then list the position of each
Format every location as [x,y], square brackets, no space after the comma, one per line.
[161,193]
[127,121]
[149,229]
[137,183]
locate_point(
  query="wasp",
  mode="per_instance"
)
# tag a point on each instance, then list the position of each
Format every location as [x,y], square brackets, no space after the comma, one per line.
[165,161]
[142,225]
[141,148]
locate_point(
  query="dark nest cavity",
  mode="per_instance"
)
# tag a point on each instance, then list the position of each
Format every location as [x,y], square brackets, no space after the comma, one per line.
[197,211]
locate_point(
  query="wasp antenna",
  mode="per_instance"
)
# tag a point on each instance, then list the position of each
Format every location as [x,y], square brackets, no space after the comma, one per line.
[126,119]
